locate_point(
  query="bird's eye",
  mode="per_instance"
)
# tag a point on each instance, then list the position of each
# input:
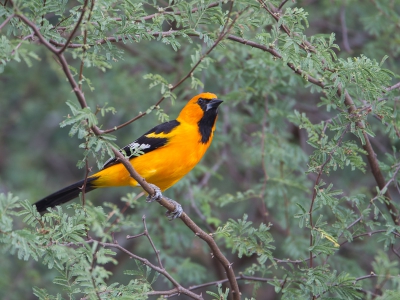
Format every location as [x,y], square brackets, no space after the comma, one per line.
[201,101]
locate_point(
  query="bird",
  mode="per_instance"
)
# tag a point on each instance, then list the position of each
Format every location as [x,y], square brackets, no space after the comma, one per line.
[162,156]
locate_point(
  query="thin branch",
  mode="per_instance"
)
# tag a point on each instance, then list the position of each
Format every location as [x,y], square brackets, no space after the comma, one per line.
[296,262]
[372,275]
[370,234]
[395,251]
[146,233]
[162,271]
[76,27]
[393,87]
[30,36]
[6,21]
[372,160]
[282,4]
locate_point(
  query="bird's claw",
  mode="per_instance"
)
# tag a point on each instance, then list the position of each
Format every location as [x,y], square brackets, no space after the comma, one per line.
[171,215]
[157,194]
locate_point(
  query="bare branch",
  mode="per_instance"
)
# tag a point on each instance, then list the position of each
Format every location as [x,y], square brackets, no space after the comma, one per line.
[6,21]
[282,4]
[146,233]
[162,271]
[393,87]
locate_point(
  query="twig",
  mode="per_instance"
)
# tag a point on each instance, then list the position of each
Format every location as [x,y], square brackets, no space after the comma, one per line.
[282,4]
[76,27]
[146,233]
[395,251]
[393,87]
[6,21]
[370,234]
[162,271]
[30,36]
[372,275]
[372,160]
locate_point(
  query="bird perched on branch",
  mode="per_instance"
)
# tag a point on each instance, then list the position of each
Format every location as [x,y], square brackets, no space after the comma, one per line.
[168,152]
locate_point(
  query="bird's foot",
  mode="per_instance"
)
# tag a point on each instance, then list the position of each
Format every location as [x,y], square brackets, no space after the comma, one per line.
[157,194]
[171,215]
[176,213]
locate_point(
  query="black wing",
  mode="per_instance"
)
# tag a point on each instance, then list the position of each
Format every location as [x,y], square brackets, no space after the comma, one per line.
[145,144]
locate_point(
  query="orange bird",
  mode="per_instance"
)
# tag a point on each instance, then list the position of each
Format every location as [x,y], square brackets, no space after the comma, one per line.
[168,152]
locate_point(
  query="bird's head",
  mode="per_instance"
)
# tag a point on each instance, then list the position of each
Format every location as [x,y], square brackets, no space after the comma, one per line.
[203,107]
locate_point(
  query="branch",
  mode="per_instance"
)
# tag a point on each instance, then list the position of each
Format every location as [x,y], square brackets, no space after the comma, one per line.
[372,160]
[146,233]
[178,288]
[396,86]
[76,26]
[6,21]
[282,4]
[370,234]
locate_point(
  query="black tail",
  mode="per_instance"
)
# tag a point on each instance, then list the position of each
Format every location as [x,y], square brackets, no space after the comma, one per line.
[66,194]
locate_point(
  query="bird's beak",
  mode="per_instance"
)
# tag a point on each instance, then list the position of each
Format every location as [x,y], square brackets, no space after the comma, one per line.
[213,104]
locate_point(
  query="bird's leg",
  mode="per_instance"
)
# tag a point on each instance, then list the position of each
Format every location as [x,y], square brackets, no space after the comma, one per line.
[171,215]
[158,196]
